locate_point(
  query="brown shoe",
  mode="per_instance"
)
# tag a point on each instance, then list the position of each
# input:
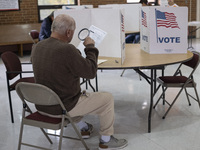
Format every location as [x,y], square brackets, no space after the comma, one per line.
[87,133]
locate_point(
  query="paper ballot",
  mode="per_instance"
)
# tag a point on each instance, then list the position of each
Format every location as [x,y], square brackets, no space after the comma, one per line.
[97,35]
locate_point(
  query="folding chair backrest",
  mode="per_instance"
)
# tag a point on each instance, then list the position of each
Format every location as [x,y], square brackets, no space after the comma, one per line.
[37,94]
[34,34]
[12,63]
[42,95]
[194,62]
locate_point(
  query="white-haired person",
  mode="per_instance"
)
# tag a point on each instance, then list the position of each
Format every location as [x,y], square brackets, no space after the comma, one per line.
[172,4]
[59,65]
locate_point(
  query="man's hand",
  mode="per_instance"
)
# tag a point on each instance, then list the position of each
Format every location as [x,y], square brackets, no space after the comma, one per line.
[88,41]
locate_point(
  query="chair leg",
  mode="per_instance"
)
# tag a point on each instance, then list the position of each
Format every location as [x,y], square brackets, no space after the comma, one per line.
[172,103]
[79,135]
[61,133]
[161,96]
[20,135]
[140,77]
[11,109]
[46,136]
[9,97]
[122,72]
[187,97]
[197,95]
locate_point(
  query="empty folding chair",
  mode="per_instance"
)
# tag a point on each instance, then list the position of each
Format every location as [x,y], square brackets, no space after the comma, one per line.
[14,74]
[180,80]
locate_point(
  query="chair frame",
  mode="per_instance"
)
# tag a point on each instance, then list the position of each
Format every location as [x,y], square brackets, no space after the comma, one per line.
[189,83]
[9,89]
[33,93]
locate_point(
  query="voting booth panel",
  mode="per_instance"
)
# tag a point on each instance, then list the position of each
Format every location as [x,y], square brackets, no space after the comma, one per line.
[111,21]
[77,7]
[131,15]
[81,18]
[164,29]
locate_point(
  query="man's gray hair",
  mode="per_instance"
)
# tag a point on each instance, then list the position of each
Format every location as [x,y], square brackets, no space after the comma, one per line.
[62,23]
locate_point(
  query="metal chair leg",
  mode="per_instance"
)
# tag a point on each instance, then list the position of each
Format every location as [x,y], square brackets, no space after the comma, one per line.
[197,96]
[11,109]
[46,136]
[161,96]
[122,72]
[172,103]
[79,135]
[61,134]
[20,135]
[187,97]
[10,101]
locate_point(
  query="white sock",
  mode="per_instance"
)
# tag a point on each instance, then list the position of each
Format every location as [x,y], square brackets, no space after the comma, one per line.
[82,125]
[105,138]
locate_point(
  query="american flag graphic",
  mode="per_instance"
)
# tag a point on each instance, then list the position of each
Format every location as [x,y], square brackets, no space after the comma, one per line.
[165,19]
[144,19]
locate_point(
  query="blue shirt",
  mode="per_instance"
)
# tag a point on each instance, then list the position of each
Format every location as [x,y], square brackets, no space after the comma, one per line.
[45,30]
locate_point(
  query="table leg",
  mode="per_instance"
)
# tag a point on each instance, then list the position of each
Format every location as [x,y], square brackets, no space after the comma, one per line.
[154,81]
[96,83]
[163,88]
[91,85]
[21,50]
[151,100]
[191,39]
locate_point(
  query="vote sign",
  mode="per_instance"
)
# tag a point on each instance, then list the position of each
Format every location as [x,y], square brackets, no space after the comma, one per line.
[163,29]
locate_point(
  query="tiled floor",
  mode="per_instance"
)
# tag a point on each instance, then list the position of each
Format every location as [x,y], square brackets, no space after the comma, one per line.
[179,131]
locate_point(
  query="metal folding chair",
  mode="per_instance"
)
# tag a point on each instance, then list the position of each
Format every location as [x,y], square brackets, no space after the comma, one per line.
[178,80]
[41,95]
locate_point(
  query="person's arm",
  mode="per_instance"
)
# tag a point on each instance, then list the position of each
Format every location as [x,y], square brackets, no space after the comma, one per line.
[84,67]
[45,31]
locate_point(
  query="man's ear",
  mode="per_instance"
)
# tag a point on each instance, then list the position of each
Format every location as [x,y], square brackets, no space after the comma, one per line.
[68,33]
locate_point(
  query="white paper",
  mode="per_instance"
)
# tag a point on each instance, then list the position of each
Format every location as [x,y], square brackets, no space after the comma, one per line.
[97,35]
[100,61]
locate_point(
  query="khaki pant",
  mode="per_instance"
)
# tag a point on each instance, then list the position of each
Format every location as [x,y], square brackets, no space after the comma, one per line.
[97,103]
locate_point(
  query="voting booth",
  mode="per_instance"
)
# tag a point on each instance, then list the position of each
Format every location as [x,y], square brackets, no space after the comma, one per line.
[164,29]
[131,15]
[77,7]
[109,21]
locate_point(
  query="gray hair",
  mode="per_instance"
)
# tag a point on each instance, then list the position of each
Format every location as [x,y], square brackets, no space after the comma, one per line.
[62,23]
